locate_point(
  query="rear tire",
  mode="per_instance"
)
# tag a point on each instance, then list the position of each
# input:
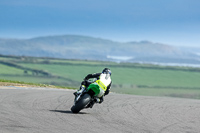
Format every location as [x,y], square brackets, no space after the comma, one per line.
[82,103]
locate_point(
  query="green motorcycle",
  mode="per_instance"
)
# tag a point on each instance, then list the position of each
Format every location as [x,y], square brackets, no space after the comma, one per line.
[88,97]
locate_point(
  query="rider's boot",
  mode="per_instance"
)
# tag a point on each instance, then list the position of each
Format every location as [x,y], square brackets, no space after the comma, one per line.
[97,100]
[82,88]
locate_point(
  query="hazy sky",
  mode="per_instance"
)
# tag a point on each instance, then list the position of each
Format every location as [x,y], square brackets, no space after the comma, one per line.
[174,22]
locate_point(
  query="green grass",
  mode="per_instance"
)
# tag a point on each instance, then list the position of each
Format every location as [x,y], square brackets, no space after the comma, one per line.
[74,72]
[151,77]
[25,83]
[9,70]
[137,79]
[120,75]
[33,79]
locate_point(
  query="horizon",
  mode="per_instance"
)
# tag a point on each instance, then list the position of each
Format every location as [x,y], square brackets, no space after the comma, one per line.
[173,22]
[137,41]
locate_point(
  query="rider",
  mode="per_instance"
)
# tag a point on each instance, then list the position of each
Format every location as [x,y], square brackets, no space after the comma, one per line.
[103,81]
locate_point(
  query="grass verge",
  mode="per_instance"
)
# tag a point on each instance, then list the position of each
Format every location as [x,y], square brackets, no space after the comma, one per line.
[4,82]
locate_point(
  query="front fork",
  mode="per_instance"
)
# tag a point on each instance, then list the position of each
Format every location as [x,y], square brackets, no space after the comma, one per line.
[78,97]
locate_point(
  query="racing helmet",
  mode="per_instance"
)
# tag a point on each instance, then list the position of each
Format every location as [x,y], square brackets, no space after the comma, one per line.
[107,71]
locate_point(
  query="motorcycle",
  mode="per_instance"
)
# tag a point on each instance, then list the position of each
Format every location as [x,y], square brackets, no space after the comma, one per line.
[86,99]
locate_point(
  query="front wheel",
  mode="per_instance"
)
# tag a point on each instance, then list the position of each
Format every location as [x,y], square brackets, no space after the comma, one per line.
[81,103]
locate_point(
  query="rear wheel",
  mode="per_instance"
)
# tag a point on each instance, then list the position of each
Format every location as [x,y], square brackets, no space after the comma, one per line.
[82,103]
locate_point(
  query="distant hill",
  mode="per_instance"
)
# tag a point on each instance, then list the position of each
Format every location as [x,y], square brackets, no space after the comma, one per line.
[84,47]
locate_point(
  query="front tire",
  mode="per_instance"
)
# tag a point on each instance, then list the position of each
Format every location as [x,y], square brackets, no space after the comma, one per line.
[82,103]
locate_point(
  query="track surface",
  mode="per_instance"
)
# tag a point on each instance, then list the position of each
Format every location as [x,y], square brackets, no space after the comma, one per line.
[34,110]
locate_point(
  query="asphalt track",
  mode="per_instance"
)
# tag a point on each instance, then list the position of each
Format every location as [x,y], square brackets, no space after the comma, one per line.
[41,110]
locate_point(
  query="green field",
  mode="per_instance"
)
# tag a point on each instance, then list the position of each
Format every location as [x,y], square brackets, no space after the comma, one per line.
[130,78]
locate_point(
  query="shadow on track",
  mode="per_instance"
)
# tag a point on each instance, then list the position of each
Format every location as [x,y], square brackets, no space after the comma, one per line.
[66,111]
